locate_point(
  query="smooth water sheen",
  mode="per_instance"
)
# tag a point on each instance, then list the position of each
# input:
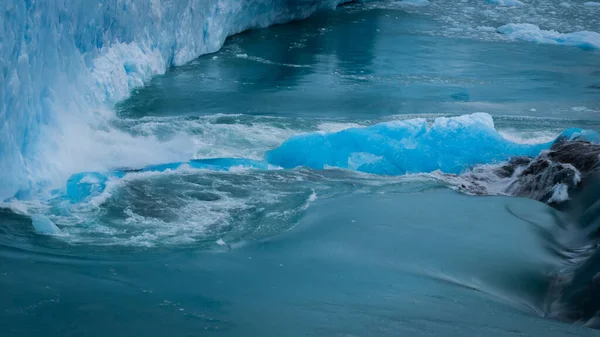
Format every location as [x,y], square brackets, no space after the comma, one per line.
[375,262]
[306,179]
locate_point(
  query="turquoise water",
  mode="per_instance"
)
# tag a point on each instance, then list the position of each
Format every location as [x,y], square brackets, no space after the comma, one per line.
[361,63]
[376,261]
[224,235]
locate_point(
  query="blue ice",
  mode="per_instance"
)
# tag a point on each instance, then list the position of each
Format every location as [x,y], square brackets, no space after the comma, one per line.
[412,146]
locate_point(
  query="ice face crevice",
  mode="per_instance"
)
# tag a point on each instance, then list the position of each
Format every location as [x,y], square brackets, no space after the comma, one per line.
[64,63]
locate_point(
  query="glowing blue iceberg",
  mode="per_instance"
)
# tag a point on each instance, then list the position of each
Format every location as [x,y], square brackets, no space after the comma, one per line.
[449,144]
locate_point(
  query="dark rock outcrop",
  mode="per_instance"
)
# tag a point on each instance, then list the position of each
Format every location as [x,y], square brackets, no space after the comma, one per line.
[560,170]
[567,177]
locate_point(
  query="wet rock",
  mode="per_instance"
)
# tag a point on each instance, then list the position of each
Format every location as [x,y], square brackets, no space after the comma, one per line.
[508,170]
[575,295]
[558,170]
[583,155]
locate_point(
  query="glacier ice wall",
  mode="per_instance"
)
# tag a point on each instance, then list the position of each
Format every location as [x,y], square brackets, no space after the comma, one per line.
[64,63]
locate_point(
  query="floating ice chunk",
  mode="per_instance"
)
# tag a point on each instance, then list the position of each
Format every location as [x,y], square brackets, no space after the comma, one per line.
[533,33]
[449,144]
[220,242]
[508,3]
[43,225]
[592,4]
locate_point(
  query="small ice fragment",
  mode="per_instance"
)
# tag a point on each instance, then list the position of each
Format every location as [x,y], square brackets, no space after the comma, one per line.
[220,242]
[243,56]
[532,110]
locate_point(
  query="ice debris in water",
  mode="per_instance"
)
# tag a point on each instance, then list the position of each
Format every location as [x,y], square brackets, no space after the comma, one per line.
[508,3]
[592,4]
[462,19]
[533,33]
